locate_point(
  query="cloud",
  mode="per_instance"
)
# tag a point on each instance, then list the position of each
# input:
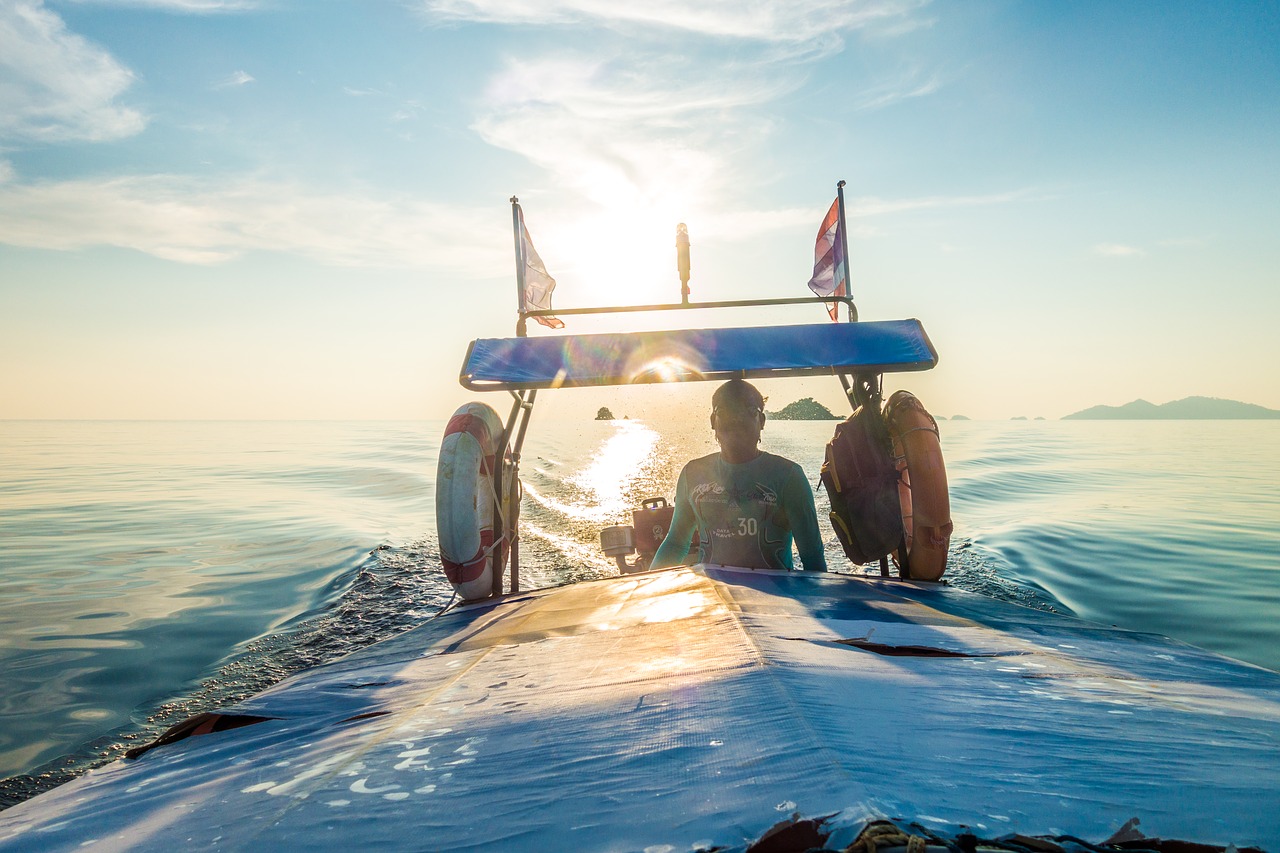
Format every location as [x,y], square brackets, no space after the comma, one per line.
[1115,250]
[902,90]
[641,132]
[55,85]
[192,221]
[199,222]
[648,132]
[407,111]
[872,206]
[191,6]
[238,78]
[661,125]
[748,224]
[764,20]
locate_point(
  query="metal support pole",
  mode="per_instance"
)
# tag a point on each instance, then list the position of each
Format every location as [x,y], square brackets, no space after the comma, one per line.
[520,411]
[844,251]
[526,406]
[515,232]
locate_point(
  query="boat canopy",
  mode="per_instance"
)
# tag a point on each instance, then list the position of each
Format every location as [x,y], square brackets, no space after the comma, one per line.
[756,352]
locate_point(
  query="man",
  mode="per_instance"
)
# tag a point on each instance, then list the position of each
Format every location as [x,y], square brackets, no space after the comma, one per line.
[746,504]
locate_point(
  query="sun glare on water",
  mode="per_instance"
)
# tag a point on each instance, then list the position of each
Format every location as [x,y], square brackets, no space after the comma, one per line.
[615,467]
[601,491]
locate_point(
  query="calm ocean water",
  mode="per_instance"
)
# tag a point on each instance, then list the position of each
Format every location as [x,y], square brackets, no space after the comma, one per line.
[149,570]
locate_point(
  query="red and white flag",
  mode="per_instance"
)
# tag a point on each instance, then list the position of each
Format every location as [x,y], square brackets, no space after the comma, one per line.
[535,295]
[830,270]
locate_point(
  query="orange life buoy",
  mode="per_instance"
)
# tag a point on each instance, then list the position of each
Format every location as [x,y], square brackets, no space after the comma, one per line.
[922,486]
[474,507]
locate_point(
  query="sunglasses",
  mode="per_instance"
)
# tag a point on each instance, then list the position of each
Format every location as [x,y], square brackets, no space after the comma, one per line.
[737,413]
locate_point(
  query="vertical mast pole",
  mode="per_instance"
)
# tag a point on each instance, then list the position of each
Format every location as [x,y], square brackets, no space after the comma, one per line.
[844,249]
[521,408]
[682,261]
[515,233]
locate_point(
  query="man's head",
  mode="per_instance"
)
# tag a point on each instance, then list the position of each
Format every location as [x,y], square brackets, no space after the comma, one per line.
[737,416]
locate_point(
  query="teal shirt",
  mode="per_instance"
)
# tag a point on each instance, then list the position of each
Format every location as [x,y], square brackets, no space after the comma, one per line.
[746,515]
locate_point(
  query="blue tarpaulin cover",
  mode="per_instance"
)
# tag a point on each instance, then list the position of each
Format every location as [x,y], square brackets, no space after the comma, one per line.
[566,361]
[694,708]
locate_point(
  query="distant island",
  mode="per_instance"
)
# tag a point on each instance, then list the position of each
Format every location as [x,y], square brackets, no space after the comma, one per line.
[807,409]
[604,414]
[1189,409]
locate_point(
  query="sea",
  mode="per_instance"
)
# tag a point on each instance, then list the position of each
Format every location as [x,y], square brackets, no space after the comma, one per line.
[150,570]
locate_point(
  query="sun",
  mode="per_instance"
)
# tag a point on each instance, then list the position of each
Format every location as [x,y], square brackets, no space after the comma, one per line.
[624,255]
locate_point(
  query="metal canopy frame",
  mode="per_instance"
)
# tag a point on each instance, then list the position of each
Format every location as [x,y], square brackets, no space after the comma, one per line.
[686,305]
[861,381]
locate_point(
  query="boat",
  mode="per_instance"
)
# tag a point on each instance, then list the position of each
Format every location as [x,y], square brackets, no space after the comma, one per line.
[704,707]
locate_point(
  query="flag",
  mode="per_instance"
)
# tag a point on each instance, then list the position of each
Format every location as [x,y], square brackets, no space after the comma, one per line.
[830,271]
[537,284]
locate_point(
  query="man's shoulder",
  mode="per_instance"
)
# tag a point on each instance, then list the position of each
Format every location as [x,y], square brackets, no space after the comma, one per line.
[701,465]
[780,463]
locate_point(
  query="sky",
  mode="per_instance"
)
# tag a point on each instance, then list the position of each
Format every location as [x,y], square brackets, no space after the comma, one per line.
[282,209]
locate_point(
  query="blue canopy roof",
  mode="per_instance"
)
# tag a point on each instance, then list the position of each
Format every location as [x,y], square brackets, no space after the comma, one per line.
[567,361]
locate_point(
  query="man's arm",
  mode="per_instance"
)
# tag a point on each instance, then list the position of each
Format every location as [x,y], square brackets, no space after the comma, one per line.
[679,536]
[804,523]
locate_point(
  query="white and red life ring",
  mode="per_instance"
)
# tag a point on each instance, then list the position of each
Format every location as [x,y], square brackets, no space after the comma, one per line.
[922,485]
[473,542]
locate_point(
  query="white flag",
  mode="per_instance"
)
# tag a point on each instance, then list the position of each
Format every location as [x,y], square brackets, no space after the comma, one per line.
[538,284]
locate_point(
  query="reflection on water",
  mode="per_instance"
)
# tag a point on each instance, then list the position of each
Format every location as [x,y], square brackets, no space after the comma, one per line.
[616,467]
[581,476]
[137,558]
[151,570]
[1164,526]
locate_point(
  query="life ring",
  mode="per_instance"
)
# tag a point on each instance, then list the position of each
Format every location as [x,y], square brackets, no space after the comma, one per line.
[473,543]
[922,486]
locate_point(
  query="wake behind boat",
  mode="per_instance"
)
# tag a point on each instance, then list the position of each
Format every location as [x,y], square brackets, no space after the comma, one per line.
[703,707]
